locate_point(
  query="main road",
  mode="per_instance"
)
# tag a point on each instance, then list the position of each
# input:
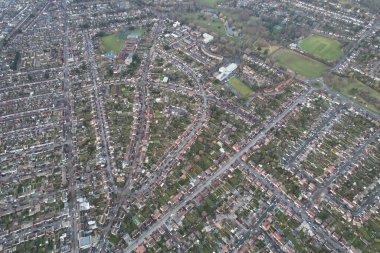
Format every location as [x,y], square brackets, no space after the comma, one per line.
[68,173]
[356,44]
[104,141]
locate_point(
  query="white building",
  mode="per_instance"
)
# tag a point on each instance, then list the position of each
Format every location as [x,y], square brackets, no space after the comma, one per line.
[85,242]
[224,72]
[128,61]
[207,38]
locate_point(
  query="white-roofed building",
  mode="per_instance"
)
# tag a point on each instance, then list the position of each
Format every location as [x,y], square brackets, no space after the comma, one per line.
[207,38]
[176,24]
[85,242]
[224,72]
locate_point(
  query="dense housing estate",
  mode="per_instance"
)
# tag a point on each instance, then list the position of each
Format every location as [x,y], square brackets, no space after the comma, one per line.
[189,126]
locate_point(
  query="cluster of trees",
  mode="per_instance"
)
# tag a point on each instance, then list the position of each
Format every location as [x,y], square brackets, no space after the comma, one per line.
[17,58]
[372,5]
[136,61]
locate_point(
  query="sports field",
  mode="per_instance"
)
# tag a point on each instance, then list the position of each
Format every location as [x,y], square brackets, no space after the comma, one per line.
[322,47]
[114,42]
[299,63]
[240,87]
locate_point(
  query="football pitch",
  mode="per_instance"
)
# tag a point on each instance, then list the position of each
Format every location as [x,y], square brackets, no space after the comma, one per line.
[322,47]
[240,87]
[299,63]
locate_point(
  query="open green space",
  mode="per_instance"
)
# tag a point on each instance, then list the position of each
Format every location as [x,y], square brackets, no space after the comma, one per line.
[124,34]
[114,42]
[214,25]
[264,47]
[210,2]
[299,63]
[323,47]
[114,239]
[356,91]
[240,87]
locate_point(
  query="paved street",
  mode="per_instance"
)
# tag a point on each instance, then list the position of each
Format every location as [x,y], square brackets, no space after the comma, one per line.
[100,118]
[68,148]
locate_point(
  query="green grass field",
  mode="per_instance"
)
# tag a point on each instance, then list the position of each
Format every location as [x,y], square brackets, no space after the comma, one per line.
[114,42]
[213,26]
[240,87]
[300,64]
[357,91]
[123,35]
[210,2]
[322,47]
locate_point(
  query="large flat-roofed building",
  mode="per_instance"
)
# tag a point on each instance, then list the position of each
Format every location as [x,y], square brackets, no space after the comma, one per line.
[224,72]
[207,38]
[85,242]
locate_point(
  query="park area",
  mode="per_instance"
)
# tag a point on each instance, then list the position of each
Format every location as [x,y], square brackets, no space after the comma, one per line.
[299,63]
[213,25]
[322,47]
[114,42]
[240,87]
[210,2]
[357,91]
